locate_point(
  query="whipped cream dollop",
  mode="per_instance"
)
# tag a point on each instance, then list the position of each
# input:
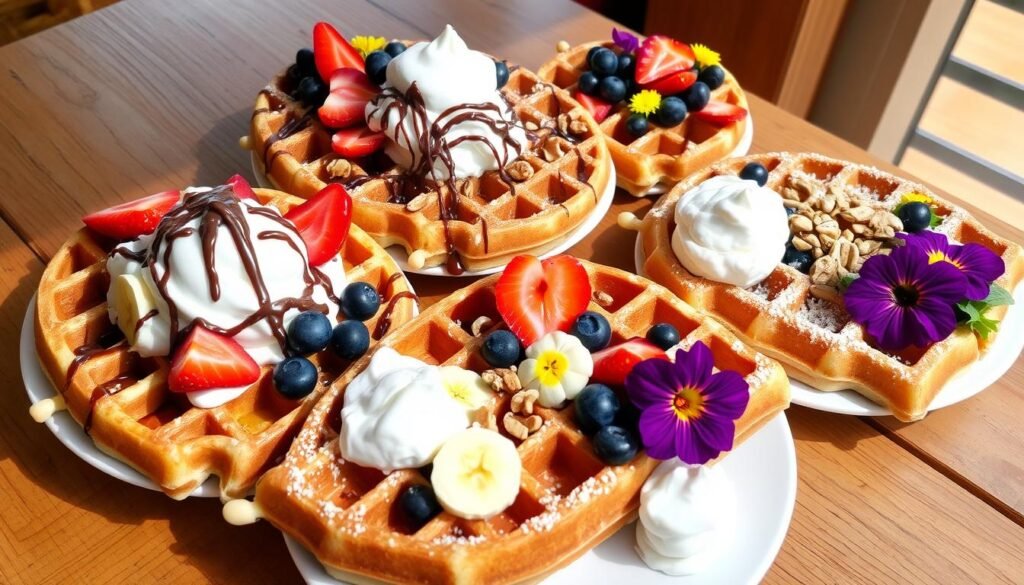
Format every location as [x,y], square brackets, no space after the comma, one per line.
[397,413]
[687,517]
[281,258]
[730,230]
[443,82]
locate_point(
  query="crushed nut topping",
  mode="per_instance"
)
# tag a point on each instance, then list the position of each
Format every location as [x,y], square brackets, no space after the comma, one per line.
[482,322]
[519,170]
[531,126]
[418,203]
[522,401]
[522,427]
[555,147]
[339,169]
[602,298]
[502,379]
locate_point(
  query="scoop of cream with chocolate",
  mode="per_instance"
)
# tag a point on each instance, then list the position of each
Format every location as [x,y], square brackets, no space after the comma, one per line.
[442,112]
[232,265]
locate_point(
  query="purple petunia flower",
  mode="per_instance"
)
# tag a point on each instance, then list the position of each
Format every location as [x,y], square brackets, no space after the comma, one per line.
[980,265]
[902,299]
[625,41]
[686,410]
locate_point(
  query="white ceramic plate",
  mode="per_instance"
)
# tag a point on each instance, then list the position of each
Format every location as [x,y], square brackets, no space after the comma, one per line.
[764,471]
[741,150]
[980,375]
[69,432]
[402,258]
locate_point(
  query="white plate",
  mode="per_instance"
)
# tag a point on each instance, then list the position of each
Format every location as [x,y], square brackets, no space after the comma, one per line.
[741,150]
[764,471]
[995,362]
[402,258]
[69,432]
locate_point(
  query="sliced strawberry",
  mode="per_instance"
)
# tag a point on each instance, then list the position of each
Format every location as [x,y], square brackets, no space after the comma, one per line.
[323,222]
[208,360]
[674,83]
[128,221]
[345,106]
[241,187]
[537,297]
[597,107]
[721,113]
[332,52]
[613,364]
[357,142]
[660,56]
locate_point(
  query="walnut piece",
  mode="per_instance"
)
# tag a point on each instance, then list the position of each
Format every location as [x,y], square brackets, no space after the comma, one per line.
[522,401]
[522,427]
[418,203]
[502,379]
[602,298]
[339,168]
[519,170]
[479,324]
[555,147]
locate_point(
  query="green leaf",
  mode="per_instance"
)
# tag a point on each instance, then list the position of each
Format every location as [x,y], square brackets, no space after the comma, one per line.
[936,219]
[975,319]
[846,280]
[998,296]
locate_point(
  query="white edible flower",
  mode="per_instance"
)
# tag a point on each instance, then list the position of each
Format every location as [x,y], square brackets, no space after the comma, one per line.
[557,366]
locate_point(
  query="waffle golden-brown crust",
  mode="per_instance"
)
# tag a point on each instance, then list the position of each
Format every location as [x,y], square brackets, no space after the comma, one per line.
[493,222]
[814,338]
[663,155]
[142,423]
[569,500]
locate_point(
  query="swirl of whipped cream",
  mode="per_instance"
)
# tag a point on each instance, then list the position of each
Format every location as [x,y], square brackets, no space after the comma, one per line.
[448,81]
[687,517]
[397,413]
[730,230]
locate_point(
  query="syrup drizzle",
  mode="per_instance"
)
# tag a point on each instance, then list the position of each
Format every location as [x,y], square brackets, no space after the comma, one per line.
[385,318]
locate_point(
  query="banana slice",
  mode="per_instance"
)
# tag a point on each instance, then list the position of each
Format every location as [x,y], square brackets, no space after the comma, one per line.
[132,301]
[476,474]
[466,387]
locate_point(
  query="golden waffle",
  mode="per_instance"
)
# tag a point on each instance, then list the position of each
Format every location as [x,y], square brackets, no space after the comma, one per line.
[663,155]
[569,501]
[123,399]
[489,222]
[813,337]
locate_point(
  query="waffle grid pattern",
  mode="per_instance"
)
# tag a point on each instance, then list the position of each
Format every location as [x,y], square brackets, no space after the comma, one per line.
[159,432]
[663,155]
[814,338]
[569,500]
[492,223]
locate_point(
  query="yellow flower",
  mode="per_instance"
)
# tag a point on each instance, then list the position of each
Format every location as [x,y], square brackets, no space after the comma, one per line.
[366,45]
[916,198]
[705,56]
[645,102]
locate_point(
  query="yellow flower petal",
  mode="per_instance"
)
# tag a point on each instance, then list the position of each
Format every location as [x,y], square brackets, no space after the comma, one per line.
[705,56]
[645,102]
[366,45]
[551,366]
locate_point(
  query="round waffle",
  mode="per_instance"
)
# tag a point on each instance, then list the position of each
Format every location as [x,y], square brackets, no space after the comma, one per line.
[814,337]
[662,156]
[569,500]
[122,399]
[484,221]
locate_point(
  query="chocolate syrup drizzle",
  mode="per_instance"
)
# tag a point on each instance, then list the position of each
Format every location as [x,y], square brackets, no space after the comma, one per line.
[385,318]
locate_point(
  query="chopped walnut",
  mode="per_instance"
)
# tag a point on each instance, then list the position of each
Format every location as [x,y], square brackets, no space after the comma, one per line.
[502,379]
[531,126]
[555,147]
[418,203]
[602,298]
[519,170]
[522,427]
[482,322]
[522,401]
[339,168]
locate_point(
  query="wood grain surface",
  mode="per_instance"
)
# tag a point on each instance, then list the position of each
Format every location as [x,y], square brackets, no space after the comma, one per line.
[149,95]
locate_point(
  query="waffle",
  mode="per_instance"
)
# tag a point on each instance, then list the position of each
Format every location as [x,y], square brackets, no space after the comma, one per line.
[489,222]
[663,156]
[569,501]
[813,337]
[122,398]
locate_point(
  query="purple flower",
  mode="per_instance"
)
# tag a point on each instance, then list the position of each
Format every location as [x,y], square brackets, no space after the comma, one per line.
[980,265]
[902,299]
[624,40]
[686,410]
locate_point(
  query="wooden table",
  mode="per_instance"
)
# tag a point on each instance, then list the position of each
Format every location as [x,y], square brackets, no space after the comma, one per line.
[149,95]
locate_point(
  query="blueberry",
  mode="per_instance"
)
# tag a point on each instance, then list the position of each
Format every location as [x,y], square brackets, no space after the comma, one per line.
[309,332]
[501,349]
[596,407]
[501,73]
[615,445]
[697,96]
[394,48]
[628,417]
[377,66]
[603,62]
[756,172]
[612,89]
[713,76]
[305,62]
[916,216]
[800,260]
[593,331]
[591,52]
[671,112]
[295,377]
[637,125]
[790,211]
[350,339]
[419,504]
[311,91]
[587,83]
[663,335]
[294,73]
[360,301]
[626,67]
